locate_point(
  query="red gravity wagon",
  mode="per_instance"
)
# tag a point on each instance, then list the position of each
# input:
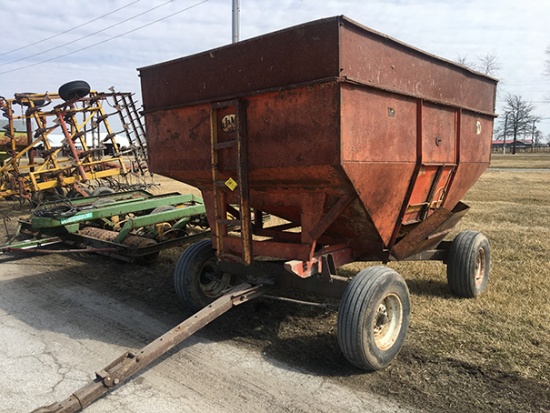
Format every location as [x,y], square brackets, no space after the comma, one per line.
[362,145]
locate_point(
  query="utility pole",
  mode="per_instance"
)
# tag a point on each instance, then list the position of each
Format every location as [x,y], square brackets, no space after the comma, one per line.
[236,12]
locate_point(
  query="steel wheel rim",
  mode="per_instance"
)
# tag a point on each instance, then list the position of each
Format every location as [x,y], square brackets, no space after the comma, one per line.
[387,322]
[212,282]
[480,268]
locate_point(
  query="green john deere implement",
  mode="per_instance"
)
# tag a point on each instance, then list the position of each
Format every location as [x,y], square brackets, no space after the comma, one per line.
[128,225]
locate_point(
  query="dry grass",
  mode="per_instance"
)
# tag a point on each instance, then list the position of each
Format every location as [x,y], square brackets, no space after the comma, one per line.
[510,324]
[520,160]
[512,320]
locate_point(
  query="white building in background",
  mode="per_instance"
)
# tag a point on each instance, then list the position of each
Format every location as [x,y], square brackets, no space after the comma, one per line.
[56,140]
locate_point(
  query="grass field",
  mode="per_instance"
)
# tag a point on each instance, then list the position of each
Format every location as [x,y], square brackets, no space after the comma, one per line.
[521,160]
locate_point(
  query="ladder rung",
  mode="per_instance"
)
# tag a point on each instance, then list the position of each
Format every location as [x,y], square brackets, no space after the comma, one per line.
[229,221]
[226,144]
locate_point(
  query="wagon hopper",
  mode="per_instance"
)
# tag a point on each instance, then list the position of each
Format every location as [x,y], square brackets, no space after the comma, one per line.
[363,144]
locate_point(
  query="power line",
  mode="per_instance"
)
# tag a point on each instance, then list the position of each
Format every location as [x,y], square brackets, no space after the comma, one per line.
[88,35]
[68,30]
[543,78]
[530,101]
[106,40]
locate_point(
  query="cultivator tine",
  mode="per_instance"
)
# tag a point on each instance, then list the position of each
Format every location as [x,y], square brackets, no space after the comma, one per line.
[41,131]
[133,128]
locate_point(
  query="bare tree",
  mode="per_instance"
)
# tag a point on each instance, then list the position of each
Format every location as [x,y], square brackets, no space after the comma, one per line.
[488,64]
[463,60]
[519,118]
[537,138]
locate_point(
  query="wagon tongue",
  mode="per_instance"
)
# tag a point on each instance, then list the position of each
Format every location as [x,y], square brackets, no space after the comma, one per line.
[130,362]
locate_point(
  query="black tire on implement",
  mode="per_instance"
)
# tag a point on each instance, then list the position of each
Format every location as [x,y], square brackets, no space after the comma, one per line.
[38,103]
[73,193]
[103,190]
[163,208]
[196,278]
[469,264]
[373,318]
[74,90]
[47,195]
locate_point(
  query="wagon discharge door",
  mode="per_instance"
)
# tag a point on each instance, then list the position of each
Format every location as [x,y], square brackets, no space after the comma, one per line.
[437,147]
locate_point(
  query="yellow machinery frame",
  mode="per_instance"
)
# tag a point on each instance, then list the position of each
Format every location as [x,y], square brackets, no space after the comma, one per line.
[27,171]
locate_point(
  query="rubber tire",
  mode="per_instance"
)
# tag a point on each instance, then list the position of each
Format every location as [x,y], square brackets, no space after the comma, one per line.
[74,90]
[193,264]
[469,264]
[47,195]
[163,208]
[103,190]
[74,194]
[38,103]
[359,311]
[158,210]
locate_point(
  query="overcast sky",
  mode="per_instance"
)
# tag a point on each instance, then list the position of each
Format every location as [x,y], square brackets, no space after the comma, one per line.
[104,41]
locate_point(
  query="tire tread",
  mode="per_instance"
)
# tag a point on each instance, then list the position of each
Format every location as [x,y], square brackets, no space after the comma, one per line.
[462,261]
[185,271]
[359,294]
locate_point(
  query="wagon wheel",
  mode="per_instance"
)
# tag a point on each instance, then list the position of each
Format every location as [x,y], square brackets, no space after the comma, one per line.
[469,264]
[196,279]
[74,90]
[373,318]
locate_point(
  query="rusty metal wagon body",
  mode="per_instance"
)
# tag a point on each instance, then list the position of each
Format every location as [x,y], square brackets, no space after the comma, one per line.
[362,144]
